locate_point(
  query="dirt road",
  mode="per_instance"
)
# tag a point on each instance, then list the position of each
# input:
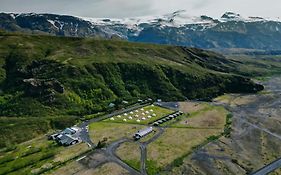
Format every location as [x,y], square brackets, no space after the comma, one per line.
[255,138]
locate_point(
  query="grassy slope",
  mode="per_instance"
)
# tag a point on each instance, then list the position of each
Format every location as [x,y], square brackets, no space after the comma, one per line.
[97,72]
[37,156]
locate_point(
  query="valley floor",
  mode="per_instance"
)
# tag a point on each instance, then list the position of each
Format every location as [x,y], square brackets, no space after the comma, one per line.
[254,141]
[234,134]
[171,141]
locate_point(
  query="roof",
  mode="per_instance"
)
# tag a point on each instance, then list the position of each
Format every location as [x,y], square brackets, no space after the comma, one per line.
[75,128]
[69,131]
[61,136]
[144,131]
[111,105]
[66,139]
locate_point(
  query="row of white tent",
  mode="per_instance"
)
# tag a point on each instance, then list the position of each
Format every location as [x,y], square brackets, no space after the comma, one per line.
[144,115]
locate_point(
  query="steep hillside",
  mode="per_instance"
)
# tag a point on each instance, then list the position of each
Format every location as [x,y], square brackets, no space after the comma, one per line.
[56,80]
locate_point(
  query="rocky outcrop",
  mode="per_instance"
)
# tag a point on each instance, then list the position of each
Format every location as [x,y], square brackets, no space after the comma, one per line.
[43,88]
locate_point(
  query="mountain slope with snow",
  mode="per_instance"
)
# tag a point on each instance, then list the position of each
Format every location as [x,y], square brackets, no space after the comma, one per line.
[179,28]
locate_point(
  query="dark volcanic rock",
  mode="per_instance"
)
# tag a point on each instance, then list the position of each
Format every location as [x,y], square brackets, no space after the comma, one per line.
[230,31]
[45,88]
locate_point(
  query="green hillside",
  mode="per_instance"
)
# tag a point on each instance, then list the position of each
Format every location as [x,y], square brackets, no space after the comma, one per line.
[50,82]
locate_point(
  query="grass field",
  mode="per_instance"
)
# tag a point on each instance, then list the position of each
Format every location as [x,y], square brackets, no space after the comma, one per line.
[79,169]
[190,107]
[110,168]
[208,117]
[112,131]
[143,115]
[276,172]
[183,134]
[37,156]
[173,144]
[236,100]
[130,153]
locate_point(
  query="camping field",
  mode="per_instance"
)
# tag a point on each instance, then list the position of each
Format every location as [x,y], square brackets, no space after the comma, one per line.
[143,115]
[200,123]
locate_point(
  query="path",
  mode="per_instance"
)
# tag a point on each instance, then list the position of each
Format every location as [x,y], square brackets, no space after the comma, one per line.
[110,152]
[143,148]
[268,168]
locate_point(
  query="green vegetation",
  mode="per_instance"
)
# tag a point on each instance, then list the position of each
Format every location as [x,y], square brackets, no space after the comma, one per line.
[205,123]
[143,115]
[107,132]
[19,129]
[37,156]
[173,145]
[152,167]
[131,157]
[227,127]
[261,67]
[207,117]
[45,80]
[91,116]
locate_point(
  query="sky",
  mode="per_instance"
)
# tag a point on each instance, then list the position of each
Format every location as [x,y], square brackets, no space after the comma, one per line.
[133,8]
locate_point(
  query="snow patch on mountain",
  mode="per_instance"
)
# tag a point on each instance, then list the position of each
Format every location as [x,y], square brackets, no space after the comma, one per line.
[13,15]
[176,19]
[231,16]
[53,23]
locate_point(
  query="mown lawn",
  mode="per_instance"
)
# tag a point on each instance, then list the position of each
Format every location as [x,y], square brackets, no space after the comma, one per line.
[143,115]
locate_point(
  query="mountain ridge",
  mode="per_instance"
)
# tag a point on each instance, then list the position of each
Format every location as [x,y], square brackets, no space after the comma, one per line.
[178,28]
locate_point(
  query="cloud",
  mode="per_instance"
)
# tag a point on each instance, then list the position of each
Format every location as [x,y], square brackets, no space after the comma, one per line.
[119,8]
[131,8]
[199,4]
